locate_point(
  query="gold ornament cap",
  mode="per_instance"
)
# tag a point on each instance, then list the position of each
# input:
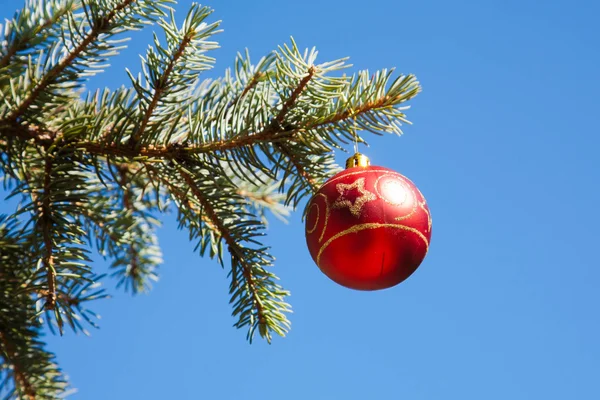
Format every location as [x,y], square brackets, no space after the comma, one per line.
[358,160]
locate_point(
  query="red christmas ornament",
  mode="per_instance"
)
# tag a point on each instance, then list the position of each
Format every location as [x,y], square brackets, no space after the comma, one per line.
[368,227]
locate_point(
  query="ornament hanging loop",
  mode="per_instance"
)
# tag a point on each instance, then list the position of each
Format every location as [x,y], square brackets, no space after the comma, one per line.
[354,133]
[358,159]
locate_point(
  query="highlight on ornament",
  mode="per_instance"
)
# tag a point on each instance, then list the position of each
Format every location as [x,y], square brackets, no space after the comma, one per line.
[368,227]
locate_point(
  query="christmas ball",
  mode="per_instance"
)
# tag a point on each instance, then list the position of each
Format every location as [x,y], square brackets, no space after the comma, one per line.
[368,227]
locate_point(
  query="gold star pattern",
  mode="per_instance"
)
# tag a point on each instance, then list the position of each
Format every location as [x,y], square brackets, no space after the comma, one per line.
[356,207]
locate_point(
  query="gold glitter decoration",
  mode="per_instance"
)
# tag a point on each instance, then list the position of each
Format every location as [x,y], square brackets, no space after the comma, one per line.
[311,230]
[359,202]
[372,225]
[422,205]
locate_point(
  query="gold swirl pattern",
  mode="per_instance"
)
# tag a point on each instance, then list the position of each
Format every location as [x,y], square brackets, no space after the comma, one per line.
[422,205]
[406,186]
[314,204]
[311,230]
[372,225]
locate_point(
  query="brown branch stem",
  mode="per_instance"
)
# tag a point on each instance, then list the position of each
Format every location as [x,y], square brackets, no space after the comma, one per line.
[268,134]
[249,86]
[160,88]
[295,94]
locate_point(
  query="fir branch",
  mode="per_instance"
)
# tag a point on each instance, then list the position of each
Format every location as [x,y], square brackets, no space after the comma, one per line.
[225,151]
[48,78]
[213,212]
[118,218]
[169,75]
[270,133]
[232,244]
[27,370]
[378,104]
[163,80]
[56,189]
[173,151]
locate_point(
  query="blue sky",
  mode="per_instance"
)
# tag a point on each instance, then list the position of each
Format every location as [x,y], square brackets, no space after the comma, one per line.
[504,148]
